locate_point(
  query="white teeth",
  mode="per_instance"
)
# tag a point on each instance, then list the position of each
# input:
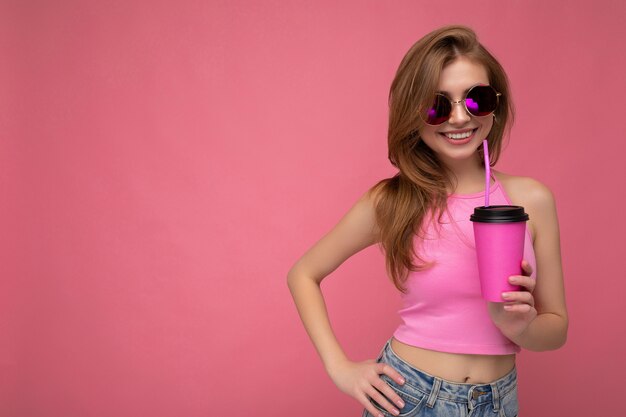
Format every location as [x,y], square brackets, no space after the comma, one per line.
[459,135]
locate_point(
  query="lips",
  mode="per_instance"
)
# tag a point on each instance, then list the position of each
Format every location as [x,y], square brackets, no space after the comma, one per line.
[459,131]
[460,141]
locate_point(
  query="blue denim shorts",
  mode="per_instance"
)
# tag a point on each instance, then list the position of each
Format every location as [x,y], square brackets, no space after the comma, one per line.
[429,396]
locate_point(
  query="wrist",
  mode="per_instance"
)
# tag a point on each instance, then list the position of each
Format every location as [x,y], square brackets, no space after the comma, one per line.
[336,365]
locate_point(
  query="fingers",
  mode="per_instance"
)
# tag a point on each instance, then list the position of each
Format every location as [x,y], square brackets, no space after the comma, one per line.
[383,387]
[382,401]
[525,281]
[519,301]
[526,267]
[383,368]
[379,391]
[519,297]
[519,307]
[365,401]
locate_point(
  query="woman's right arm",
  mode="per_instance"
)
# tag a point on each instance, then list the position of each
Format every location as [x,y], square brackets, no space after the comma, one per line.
[355,231]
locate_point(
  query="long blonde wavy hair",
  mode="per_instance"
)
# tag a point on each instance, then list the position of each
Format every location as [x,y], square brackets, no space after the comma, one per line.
[421,183]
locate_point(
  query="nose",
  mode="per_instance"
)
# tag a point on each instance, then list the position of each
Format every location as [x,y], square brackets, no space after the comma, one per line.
[459,114]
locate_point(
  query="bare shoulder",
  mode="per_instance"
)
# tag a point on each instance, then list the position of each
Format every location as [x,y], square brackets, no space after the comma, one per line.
[527,191]
[536,198]
[356,230]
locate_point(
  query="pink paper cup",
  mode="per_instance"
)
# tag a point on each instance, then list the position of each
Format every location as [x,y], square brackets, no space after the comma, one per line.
[499,237]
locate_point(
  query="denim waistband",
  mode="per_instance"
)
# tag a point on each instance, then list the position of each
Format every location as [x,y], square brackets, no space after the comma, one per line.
[439,388]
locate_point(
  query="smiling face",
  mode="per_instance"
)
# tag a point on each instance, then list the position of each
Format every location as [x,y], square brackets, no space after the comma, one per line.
[456,78]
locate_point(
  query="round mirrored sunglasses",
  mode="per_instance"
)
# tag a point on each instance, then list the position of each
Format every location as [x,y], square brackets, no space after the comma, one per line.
[480,100]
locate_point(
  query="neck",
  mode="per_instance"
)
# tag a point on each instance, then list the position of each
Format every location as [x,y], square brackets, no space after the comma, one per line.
[469,173]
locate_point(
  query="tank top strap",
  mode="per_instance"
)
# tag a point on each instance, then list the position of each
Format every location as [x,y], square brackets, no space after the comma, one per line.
[498,184]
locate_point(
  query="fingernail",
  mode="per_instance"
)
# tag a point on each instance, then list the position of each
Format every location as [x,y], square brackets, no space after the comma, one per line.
[400,403]
[396,412]
[401,380]
[512,279]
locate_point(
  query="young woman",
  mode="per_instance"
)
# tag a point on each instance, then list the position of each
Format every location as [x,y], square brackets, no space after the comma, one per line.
[454,353]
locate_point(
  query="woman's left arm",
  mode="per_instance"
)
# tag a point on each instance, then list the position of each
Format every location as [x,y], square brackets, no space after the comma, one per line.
[537,319]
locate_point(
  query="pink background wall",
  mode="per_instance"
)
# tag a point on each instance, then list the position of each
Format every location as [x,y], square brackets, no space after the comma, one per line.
[163,164]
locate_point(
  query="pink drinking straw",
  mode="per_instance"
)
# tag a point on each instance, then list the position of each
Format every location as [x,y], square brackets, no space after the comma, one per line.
[487,172]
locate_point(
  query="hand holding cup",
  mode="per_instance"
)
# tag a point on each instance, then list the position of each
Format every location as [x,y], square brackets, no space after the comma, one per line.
[514,316]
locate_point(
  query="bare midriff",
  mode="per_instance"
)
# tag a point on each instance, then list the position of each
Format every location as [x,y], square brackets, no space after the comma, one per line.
[459,368]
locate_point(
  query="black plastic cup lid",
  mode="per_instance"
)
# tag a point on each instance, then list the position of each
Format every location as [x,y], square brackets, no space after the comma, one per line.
[499,214]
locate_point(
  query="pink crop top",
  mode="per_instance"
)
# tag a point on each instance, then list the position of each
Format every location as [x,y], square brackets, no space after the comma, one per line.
[443,309]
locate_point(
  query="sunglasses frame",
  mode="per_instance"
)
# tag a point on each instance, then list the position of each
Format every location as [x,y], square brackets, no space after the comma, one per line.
[452,103]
